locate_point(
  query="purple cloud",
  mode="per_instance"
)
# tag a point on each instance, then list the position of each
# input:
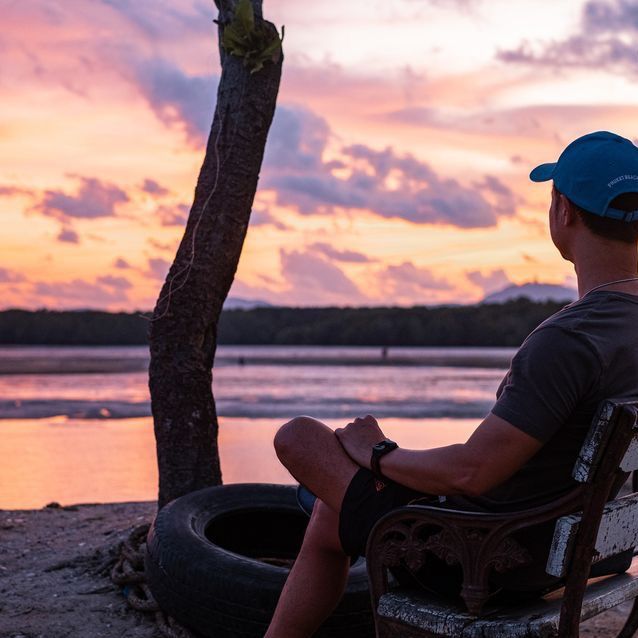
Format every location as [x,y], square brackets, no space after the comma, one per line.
[598,44]
[265,218]
[79,293]
[295,169]
[119,283]
[407,274]
[582,51]
[160,245]
[531,121]
[158,268]
[489,282]
[93,199]
[504,199]
[68,235]
[177,98]
[340,255]
[151,187]
[121,263]
[312,277]
[173,215]
[614,15]
[159,20]
[10,276]
[10,191]
[296,140]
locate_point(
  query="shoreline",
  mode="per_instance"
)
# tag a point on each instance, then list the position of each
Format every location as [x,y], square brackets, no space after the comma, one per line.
[54,583]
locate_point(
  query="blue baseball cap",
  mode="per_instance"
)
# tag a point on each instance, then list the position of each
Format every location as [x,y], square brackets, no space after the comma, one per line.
[593,170]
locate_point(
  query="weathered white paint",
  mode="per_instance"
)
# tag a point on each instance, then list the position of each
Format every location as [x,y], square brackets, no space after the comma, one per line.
[589,453]
[630,460]
[539,618]
[617,532]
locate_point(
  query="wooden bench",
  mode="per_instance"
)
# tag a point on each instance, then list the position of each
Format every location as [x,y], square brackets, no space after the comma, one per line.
[588,529]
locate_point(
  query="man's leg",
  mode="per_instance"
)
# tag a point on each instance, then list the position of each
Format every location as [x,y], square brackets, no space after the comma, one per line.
[313,455]
[316,581]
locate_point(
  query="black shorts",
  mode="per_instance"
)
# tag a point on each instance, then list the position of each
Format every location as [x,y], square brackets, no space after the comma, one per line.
[363,505]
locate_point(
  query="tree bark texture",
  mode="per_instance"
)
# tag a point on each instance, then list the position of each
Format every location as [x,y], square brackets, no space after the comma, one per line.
[183,330]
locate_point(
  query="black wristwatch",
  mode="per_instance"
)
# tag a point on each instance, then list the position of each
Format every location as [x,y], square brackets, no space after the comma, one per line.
[379,450]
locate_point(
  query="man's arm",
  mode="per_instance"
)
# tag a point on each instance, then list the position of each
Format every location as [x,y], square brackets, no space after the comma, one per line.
[494,452]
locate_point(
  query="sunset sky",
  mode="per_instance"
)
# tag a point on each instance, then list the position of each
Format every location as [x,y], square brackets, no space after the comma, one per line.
[396,170]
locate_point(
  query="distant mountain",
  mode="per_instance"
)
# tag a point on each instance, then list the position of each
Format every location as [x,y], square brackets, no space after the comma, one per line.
[237,303]
[535,292]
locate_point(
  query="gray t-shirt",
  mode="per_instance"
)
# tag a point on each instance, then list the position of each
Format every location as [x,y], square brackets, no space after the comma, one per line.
[581,355]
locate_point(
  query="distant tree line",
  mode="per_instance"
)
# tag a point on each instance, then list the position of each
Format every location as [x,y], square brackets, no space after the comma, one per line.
[505,324]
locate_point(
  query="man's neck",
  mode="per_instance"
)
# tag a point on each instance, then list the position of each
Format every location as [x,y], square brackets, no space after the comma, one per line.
[605,265]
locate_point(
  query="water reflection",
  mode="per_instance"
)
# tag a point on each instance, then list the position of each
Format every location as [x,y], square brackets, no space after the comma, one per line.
[89,461]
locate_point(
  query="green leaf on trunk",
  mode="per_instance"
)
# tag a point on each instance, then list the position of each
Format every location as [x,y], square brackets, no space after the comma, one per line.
[245,15]
[255,43]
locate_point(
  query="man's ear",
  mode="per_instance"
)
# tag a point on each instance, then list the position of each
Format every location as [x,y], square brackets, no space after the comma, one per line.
[568,214]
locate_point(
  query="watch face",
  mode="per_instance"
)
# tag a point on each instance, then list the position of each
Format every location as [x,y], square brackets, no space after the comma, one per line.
[385,445]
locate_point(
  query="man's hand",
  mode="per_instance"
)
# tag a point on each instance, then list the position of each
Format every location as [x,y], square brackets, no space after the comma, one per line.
[358,437]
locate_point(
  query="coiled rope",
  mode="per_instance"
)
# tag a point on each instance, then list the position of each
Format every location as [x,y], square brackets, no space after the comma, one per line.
[128,573]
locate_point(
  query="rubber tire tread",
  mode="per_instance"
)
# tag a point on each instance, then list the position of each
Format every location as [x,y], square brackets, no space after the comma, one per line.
[222,594]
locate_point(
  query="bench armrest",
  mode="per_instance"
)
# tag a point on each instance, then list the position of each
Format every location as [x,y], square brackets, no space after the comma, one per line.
[478,541]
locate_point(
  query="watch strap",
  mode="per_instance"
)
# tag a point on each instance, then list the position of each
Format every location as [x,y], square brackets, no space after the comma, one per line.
[378,452]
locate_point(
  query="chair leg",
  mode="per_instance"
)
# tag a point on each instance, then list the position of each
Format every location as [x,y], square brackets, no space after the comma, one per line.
[631,624]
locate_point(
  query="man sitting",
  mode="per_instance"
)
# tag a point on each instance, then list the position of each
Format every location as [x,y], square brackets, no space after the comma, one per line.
[523,452]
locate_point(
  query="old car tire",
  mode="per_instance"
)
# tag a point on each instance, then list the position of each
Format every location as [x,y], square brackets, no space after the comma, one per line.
[216,560]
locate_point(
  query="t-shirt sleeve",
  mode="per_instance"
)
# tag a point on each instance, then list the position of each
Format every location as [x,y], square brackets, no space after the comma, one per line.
[550,374]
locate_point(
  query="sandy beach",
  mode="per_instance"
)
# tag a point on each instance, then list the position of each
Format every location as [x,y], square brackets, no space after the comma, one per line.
[54,582]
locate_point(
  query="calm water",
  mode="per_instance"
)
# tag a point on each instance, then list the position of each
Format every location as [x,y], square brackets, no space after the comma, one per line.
[75,423]
[269,381]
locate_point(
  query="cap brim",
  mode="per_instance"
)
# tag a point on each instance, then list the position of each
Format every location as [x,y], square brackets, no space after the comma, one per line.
[543,172]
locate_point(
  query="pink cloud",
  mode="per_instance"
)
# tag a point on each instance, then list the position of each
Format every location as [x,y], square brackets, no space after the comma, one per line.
[406,278]
[93,198]
[10,276]
[152,187]
[262,217]
[534,121]
[173,214]
[329,251]
[158,268]
[78,293]
[68,235]
[598,44]
[312,277]
[491,281]
[121,263]
[118,283]
[177,98]
[160,245]
[295,169]
[11,191]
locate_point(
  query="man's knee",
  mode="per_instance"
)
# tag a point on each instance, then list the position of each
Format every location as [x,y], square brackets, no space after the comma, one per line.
[289,439]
